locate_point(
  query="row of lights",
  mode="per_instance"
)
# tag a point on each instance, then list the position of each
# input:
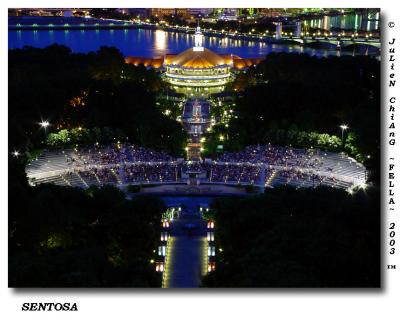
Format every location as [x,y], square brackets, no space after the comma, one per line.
[210,239]
[268,32]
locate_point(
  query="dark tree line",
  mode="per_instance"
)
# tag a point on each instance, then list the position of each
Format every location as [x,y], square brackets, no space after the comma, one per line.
[296,92]
[97,89]
[68,237]
[298,238]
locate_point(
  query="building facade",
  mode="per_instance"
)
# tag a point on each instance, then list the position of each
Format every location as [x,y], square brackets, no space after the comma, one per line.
[198,66]
[197,70]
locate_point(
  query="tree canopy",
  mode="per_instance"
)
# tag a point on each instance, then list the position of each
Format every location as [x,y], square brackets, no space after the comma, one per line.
[68,237]
[298,238]
[288,95]
[86,91]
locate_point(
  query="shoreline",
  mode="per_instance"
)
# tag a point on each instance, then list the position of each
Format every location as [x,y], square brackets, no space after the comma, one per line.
[323,42]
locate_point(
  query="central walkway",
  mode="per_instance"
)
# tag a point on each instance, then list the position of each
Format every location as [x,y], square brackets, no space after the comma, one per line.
[186,259]
[196,120]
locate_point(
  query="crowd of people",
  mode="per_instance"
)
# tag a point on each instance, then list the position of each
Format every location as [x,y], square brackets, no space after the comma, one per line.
[242,173]
[146,172]
[296,177]
[119,153]
[124,163]
[157,172]
[275,155]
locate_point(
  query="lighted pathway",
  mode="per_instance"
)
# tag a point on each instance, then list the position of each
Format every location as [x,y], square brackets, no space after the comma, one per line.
[187,251]
[196,120]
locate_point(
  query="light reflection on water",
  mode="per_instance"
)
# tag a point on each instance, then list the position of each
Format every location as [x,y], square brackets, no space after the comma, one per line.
[160,40]
[150,43]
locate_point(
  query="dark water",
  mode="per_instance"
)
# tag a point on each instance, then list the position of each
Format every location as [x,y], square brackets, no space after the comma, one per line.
[151,43]
[188,202]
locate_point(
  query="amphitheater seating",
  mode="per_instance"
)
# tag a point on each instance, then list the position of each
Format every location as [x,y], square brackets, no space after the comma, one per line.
[129,164]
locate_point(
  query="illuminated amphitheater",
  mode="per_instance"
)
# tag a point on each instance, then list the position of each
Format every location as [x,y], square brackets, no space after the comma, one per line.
[261,166]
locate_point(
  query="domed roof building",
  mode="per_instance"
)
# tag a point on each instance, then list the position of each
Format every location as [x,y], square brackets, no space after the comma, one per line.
[196,69]
[198,66]
[196,59]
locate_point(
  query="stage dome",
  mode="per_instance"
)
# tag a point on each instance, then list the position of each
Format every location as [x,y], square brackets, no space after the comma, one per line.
[197,67]
[193,59]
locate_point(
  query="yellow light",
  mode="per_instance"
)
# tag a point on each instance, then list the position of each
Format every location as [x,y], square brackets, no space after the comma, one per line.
[160,40]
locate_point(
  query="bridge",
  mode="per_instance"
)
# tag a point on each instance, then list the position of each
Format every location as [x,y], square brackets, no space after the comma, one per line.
[81,26]
[337,41]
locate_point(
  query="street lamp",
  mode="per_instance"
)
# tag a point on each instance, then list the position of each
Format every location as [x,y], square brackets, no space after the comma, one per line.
[344,127]
[45,125]
[15,153]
